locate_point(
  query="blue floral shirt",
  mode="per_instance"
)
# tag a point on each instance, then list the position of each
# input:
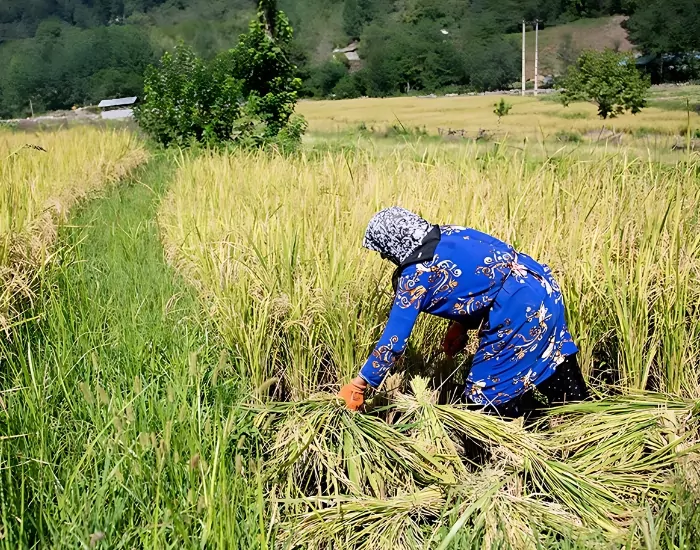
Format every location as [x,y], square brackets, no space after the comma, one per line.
[482,282]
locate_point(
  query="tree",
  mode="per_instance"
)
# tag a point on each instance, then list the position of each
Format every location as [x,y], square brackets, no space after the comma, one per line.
[402,57]
[491,64]
[347,87]
[356,15]
[186,100]
[502,109]
[610,80]
[261,61]
[324,78]
[666,26]
[246,95]
[353,20]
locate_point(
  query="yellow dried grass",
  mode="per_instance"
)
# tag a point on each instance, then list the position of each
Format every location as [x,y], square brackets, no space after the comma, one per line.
[42,176]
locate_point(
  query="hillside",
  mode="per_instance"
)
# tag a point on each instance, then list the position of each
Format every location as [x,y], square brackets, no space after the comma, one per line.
[597,34]
[57,54]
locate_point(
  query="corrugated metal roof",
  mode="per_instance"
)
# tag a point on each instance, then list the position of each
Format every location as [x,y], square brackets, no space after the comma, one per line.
[117,102]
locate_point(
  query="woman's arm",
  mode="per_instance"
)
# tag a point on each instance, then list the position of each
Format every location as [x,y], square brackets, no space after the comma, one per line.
[393,342]
[408,302]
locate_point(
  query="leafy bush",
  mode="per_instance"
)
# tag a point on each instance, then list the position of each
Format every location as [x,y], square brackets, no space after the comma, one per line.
[186,100]
[246,95]
[609,79]
[567,136]
[502,109]
[324,78]
[347,88]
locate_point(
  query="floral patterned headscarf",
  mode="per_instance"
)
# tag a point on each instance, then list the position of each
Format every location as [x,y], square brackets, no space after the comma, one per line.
[396,233]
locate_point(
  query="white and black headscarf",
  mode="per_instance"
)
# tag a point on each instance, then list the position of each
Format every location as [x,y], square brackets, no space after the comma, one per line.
[397,234]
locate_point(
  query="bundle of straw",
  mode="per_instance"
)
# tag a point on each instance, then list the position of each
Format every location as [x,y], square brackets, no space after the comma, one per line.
[319,447]
[586,472]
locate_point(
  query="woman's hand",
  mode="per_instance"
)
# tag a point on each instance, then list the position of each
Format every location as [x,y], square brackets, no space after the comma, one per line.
[354,393]
[455,339]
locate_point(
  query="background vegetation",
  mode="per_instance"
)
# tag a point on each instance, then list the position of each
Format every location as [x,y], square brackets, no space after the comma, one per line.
[58,54]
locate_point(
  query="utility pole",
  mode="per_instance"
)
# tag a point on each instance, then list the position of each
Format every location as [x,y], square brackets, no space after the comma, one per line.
[524,68]
[537,52]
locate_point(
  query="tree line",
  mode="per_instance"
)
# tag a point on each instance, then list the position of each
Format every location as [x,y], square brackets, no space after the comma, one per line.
[60,53]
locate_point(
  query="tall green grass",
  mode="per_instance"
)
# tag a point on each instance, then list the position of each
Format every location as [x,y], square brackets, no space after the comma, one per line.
[117,412]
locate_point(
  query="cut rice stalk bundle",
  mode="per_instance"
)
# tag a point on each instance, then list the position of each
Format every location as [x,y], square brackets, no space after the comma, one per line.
[492,517]
[584,474]
[319,447]
[630,444]
[581,494]
[530,453]
[427,428]
[489,431]
[647,419]
[364,523]
[624,404]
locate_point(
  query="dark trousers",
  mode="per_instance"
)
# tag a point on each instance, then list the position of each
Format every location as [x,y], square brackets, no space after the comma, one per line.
[566,385]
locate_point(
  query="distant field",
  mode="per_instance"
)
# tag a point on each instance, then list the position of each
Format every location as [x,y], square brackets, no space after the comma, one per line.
[530,117]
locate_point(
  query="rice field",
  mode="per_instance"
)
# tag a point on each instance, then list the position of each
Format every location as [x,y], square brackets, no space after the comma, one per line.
[41,177]
[273,245]
[530,117]
[171,383]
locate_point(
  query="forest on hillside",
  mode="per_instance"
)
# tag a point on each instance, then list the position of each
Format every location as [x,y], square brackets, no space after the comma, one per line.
[60,53]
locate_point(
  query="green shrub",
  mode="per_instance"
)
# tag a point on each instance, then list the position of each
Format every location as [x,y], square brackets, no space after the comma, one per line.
[246,95]
[324,78]
[502,109]
[567,136]
[347,88]
[185,100]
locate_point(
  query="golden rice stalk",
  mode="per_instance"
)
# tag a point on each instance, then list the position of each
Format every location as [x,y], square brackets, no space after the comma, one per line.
[427,428]
[486,430]
[40,182]
[365,523]
[530,453]
[319,447]
[631,444]
[488,515]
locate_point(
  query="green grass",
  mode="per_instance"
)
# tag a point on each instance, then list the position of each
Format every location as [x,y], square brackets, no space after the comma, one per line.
[116,411]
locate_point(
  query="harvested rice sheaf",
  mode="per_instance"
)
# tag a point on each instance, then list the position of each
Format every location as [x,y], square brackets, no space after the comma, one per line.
[585,473]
